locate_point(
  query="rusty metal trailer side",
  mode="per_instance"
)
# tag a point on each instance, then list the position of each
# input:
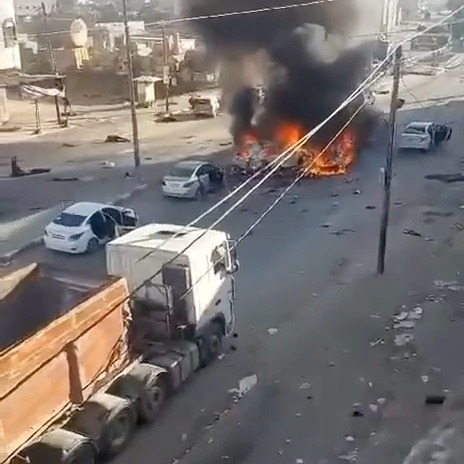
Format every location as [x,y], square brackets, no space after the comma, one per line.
[61,366]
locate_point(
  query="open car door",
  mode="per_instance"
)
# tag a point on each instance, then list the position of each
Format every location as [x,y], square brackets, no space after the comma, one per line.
[130,219]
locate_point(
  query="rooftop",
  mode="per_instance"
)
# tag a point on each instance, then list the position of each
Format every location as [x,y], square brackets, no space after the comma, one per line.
[162,237]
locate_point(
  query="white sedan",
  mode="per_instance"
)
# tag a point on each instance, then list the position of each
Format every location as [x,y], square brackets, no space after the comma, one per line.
[418,136]
[83,227]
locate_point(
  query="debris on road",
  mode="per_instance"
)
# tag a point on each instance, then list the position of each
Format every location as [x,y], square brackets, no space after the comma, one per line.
[381,401]
[435,399]
[116,139]
[357,413]
[412,232]
[108,164]
[398,203]
[357,192]
[379,341]
[325,226]
[305,386]
[64,179]
[349,438]
[425,378]
[459,226]
[339,233]
[371,207]
[404,325]
[272,331]
[374,408]
[403,339]
[447,178]
[438,213]
[245,385]
[450,285]
[16,171]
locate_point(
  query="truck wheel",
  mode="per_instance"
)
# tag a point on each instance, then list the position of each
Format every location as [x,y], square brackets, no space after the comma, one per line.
[210,345]
[118,430]
[215,340]
[106,419]
[59,447]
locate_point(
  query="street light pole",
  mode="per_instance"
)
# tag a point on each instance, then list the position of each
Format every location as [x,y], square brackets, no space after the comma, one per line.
[130,76]
[387,173]
[166,71]
[51,57]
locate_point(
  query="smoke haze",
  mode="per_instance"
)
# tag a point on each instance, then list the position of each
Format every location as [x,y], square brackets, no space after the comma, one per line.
[309,71]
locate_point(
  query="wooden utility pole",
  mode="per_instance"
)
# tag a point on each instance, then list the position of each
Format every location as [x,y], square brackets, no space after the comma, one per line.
[130,77]
[166,71]
[388,171]
[51,58]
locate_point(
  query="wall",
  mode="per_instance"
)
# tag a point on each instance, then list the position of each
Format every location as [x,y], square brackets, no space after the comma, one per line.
[9,56]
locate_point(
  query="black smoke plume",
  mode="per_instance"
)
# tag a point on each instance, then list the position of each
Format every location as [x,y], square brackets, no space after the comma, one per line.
[312,72]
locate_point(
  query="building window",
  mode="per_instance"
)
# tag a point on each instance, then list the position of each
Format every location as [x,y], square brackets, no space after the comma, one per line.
[9,33]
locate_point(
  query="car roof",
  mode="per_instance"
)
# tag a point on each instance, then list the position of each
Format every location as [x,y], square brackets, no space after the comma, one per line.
[419,124]
[192,164]
[85,208]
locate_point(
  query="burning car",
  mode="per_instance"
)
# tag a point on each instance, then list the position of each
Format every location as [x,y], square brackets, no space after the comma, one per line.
[313,159]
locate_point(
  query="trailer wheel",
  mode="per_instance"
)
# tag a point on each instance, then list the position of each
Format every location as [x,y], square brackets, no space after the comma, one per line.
[106,419]
[59,447]
[118,431]
[151,401]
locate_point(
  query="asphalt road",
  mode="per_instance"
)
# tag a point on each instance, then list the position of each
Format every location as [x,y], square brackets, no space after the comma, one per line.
[307,274]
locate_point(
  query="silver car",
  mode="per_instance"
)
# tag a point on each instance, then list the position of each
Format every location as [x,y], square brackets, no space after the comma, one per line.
[192,179]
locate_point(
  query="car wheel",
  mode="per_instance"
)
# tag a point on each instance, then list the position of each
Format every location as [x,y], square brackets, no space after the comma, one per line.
[92,245]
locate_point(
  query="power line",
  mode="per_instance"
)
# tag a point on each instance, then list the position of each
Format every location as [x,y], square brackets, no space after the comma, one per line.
[167,22]
[291,150]
[303,140]
[262,216]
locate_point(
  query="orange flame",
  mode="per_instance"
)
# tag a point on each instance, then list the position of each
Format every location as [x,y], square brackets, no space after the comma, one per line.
[317,160]
[312,159]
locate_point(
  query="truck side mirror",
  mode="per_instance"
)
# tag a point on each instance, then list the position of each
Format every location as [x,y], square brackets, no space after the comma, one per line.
[234,264]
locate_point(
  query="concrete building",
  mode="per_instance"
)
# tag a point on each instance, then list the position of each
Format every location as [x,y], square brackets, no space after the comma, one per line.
[391,15]
[25,8]
[9,52]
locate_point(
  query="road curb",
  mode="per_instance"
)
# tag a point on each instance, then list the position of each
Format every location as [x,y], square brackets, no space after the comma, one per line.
[5,259]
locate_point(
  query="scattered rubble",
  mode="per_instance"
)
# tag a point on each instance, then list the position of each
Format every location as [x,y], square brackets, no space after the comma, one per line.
[339,233]
[438,213]
[450,285]
[435,399]
[447,178]
[379,341]
[116,139]
[245,385]
[412,232]
[272,331]
[403,339]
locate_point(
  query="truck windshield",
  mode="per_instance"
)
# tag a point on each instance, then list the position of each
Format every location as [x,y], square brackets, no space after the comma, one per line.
[69,220]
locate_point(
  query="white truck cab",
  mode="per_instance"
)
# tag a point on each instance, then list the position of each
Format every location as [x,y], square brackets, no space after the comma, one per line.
[192,295]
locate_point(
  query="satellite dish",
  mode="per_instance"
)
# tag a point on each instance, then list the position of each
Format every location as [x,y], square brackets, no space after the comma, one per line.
[79,33]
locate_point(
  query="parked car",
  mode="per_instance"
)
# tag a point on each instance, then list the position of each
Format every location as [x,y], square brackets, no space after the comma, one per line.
[424,135]
[192,179]
[83,227]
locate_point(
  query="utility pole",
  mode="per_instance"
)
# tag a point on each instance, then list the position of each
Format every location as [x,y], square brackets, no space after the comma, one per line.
[130,76]
[166,71]
[51,57]
[388,170]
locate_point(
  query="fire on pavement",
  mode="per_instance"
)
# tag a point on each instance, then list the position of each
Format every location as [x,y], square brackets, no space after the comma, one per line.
[313,159]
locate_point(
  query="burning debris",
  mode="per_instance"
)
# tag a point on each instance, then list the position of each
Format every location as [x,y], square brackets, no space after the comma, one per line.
[308,73]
